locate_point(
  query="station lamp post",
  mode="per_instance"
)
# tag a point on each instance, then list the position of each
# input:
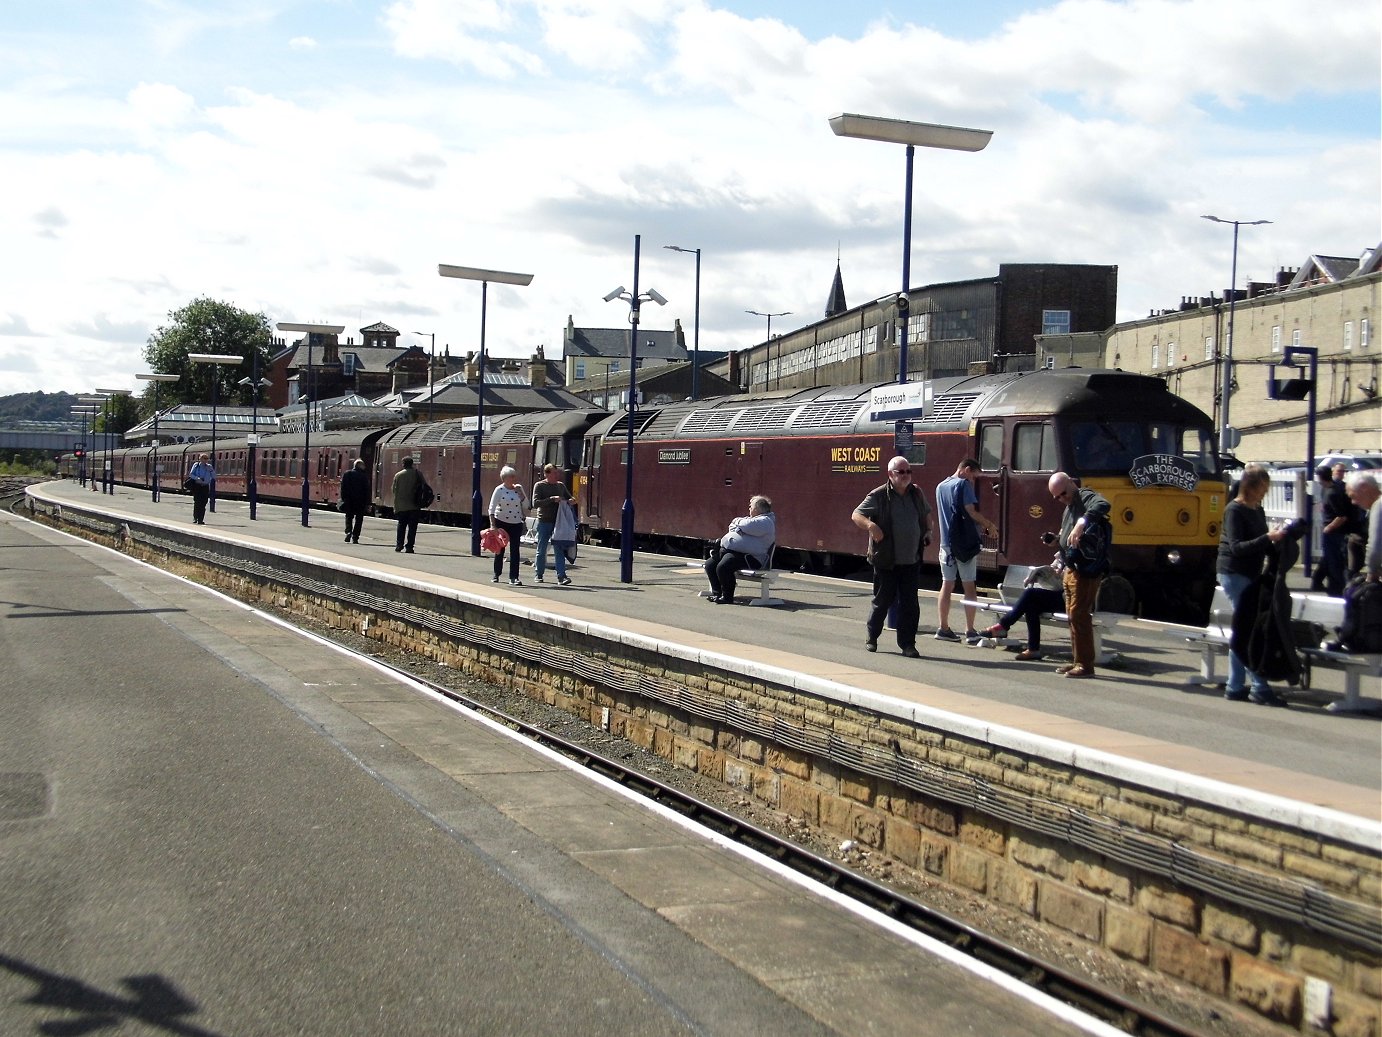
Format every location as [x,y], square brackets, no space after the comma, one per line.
[635,300]
[91,404]
[215,360]
[472,273]
[768,342]
[309,330]
[156,492]
[696,334]
[85,410]
[914,135]
[108,481]
[1225,429]
[431,372]
[254,384]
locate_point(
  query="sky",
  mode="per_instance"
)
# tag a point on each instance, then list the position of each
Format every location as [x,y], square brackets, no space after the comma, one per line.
[315,160]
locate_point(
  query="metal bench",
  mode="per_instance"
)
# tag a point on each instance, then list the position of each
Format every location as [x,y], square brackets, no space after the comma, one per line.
[1011,589]
[1328,612]
[767,579]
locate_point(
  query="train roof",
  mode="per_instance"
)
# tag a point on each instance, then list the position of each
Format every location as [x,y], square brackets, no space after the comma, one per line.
[503,428]
[950,404]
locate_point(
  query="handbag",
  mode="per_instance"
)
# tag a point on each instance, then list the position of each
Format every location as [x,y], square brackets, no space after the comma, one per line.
[564,531]
[493,540]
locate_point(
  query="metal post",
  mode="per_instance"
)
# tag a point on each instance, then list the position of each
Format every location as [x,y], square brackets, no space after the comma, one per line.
[902,325]
[215,399]
[307,440]
[626,525]
[475,505]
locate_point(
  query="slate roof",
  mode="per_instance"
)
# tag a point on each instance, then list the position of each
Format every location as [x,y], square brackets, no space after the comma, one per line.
[614,343]
[512,397]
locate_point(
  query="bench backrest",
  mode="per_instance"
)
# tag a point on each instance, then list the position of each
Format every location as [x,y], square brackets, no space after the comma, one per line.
[1220,614]
[1012,586]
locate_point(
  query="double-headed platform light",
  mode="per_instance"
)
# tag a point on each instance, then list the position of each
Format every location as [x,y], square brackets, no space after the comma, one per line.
[216,362]
[635,301]
[768,342]
[156,489]
[1226,431]
[914,135]
[484,276]
[309,330]
[108,479]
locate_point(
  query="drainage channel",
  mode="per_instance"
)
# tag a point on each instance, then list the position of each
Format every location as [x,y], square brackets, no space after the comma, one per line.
[1098,1001]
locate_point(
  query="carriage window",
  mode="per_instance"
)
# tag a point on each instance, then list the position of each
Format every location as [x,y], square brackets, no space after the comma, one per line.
[916,454]
[991,447]
[1034,448]
[592,450]
[293,465]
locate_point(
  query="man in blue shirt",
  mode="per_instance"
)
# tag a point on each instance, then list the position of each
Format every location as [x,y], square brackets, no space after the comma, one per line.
[957,505]
[199,478]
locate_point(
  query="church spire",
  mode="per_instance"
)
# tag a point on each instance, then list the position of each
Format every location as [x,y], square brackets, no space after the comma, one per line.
[836,303]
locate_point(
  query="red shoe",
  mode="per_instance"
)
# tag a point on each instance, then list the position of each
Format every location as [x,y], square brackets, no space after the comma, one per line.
[998,630]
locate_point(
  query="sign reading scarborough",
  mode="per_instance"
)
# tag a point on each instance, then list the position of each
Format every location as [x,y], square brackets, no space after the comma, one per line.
[901,402]
[1163,470]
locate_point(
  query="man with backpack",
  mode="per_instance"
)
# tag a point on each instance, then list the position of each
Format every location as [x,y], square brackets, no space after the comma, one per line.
[1084,539]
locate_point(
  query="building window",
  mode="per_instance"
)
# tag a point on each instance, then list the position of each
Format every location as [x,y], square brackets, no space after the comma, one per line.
[1276,338]
[1170,354]
[1348,334]
[614,367]
[1055,322]
[1363,333]
[1156,356]
[580,370]
[1209,347]
[1295,337]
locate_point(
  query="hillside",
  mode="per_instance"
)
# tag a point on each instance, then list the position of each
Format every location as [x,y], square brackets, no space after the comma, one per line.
[37,406]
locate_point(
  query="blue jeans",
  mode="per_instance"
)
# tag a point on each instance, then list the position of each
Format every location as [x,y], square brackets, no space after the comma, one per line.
[544,537]
[1235,585]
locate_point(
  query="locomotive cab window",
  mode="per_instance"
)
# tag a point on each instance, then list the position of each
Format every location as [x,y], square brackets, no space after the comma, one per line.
[1034,448]
[991,447]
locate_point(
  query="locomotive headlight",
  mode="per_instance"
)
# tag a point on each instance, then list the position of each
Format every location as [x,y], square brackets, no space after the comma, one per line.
[1173,556]
[1183,517]
[1128,515]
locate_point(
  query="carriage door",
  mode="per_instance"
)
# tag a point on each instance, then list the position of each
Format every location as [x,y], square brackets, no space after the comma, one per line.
[991,487]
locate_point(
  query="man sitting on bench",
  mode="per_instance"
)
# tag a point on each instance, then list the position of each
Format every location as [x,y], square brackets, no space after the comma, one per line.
[1041,594]
[745,546]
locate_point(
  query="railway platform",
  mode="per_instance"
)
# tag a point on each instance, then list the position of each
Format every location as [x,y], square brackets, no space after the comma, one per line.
[1136,811]
[212,825]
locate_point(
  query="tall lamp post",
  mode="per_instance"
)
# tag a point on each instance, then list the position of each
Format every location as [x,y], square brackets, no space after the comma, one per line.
[1225,429]
[914,135]
[85,410]
[431,371]
[769,343]
[309,330]
[254,383]
[158,469]
[91,403]
[696,334]
[215,360]
[474,273]
[108,479]
[635,300]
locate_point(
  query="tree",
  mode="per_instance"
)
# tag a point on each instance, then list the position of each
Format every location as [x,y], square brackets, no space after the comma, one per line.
[206,326]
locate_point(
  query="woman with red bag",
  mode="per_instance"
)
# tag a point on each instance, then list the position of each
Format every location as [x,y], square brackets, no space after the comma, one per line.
[506,511]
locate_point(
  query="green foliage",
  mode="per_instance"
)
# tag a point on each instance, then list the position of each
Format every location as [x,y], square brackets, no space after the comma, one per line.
[37,406]
[29,462]
[206,326]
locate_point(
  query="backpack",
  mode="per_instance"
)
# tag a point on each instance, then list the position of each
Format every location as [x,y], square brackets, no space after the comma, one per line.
[1091,557]
[1362,627]
[425,496]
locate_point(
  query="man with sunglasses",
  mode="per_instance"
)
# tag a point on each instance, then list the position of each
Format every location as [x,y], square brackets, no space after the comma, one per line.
[897,520]
[1080,590]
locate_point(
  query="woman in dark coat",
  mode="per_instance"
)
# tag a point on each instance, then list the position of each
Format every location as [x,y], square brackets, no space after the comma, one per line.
[1243,548]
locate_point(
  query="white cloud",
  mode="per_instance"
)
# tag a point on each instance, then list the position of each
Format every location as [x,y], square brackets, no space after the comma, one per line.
[328,181]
